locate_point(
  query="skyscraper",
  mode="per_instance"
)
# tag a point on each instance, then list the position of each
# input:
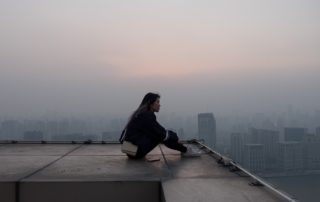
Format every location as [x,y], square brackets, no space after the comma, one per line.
[311,148]
[253,158]
[236,147]
[207,129]
[269,140]
[291,156]
[294,134]
[318,131]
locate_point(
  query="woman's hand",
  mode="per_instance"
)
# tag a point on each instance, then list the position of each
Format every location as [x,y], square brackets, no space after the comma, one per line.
[173,136]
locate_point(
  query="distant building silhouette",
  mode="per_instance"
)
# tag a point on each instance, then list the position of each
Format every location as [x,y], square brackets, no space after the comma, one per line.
[311,147]
[294,134]
[269,140]
[318,131]
[11,130]
[236,147]
[110,135]
[33,136]
[75,137]
[291,156]
[254,157]
[181,133]
[207,129]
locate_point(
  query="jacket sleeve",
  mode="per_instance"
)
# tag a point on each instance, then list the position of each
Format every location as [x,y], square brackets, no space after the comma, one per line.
[154,128]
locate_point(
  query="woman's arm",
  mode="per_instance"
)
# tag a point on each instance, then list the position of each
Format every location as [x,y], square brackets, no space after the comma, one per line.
[154,129]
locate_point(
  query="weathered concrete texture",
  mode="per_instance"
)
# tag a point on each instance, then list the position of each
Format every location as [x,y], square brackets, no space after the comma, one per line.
[202,167]
[73,173]
[7,191]
[104,150]
[119,191]
[215,189]
[98,150]
[14,168]
[35,149]
[20,161]
[102,168]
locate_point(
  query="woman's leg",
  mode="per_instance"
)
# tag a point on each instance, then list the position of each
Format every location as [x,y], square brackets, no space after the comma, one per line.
[145,145]
[174,144]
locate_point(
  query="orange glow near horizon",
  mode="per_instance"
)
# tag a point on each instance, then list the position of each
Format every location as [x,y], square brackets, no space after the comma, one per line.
[85,55]
[131,40]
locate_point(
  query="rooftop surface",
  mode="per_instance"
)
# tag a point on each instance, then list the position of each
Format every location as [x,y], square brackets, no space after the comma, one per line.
[100,172]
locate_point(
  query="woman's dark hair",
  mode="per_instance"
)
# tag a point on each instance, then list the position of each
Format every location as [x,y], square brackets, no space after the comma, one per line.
[148,99]
[145,104]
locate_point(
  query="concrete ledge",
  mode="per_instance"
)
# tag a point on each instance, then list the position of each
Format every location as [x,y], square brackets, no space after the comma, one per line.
[119,191]
[96,173]
[215,189]
[7,191]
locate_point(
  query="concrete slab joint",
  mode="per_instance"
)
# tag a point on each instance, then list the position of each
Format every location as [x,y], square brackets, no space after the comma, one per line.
[96,173]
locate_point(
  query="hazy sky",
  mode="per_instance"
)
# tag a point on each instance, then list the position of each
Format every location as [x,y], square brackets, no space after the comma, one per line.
[101,57]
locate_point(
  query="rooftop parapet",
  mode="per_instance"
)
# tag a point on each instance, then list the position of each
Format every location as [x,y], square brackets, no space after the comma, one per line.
[100,172]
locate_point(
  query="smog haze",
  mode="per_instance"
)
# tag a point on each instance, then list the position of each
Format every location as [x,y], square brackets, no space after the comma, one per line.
[101,57]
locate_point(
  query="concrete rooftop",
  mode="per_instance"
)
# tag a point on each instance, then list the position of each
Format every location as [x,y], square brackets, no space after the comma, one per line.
[100,172]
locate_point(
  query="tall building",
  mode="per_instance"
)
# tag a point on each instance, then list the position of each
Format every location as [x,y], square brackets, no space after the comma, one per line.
[33,136]
[11,130]
[318,131]
[291,156]
[311,150]
[181,134]
[111,135]
[76,137]
[269,140]
[253,158]
[64,126]
[236,147]
[207,129]
[294,134]
[34,126]
[52,129]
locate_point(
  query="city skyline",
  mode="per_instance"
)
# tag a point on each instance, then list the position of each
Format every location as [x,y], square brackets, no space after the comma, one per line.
[268,149]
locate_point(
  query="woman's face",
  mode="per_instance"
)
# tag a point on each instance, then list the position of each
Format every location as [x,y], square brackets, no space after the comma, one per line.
[155,107]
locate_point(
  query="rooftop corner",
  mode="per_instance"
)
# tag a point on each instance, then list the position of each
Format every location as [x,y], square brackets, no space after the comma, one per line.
[96,172]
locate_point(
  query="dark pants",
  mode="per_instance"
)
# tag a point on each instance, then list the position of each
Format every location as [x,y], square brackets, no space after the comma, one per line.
[146,144]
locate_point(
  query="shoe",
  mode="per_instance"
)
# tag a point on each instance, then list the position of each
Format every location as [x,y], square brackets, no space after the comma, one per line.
[191,152]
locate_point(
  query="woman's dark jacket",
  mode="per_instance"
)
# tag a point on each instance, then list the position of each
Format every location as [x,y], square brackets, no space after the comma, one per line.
[144,125]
